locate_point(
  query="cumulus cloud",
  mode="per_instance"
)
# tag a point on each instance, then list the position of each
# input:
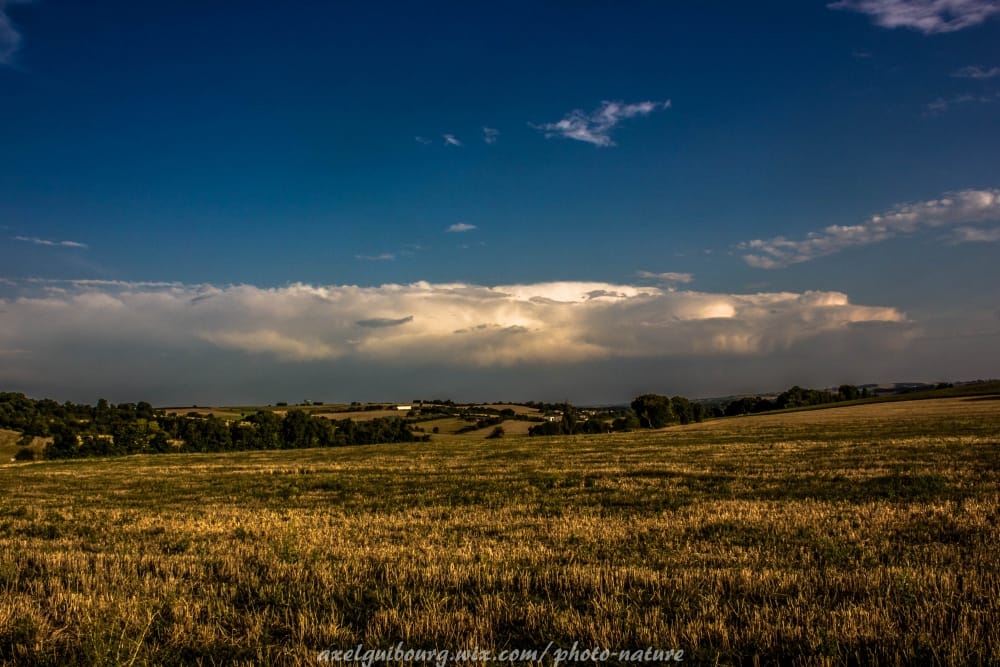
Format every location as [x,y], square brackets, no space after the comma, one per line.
[490,135]
[10,38]
[955,208]
[927,16]
[668,277]
[46,242]
[452,325]
[975,72]
[461,227]
[595,127]
[451,140]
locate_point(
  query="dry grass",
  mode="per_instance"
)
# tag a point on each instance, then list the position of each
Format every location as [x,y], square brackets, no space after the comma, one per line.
[832,537]
[9,445]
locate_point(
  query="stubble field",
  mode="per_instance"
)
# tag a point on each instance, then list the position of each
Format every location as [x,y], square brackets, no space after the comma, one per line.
[858,535]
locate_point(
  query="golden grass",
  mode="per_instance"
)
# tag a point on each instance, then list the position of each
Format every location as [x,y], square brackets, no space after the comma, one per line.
[831,537]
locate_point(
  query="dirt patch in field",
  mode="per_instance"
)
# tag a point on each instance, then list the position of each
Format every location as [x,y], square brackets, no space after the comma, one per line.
[204,412]
[362,415]
[510,427]
[518,409]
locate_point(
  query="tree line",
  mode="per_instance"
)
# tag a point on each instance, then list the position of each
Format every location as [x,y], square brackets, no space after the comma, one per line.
[656,411]
[79,430]
[796,397]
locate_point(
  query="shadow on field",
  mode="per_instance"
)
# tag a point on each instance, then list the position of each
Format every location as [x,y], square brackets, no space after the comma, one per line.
[902,487]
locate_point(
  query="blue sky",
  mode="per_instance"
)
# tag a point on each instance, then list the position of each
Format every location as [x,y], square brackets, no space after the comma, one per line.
[310,167]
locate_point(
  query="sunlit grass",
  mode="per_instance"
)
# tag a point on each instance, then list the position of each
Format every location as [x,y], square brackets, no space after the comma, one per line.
[860,535]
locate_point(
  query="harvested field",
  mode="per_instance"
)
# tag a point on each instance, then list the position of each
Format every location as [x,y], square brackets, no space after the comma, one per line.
[860,535]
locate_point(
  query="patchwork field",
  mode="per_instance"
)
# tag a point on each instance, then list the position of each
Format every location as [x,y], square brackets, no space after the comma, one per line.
[858,535]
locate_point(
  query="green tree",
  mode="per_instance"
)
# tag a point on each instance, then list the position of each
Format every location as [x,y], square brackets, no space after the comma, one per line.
[848,392]
[653,410]
[682,409]
[64,443]
[627,423]
[568,419]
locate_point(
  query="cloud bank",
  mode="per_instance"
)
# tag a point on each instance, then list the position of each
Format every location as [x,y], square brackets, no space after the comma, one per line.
[595,127]
[169,341]
[927,16]
[954,208]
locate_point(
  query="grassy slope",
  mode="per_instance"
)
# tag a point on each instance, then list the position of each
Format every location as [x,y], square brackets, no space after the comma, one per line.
[864,534]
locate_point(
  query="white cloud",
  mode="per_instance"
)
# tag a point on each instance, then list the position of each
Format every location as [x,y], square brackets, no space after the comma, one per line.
[10,38]
[595,128]
[422,140]
[46,242]
[954,208]
[927,16]
[976,235]
[461,227]
[975,72]
[669,277]
[383,257]
[449,324]
[451,140]
[490,135]
[941,104]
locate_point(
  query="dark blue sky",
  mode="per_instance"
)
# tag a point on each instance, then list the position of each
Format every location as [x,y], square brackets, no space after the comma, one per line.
[269,144]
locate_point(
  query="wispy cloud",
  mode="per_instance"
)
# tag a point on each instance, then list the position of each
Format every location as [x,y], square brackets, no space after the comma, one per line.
[461,227]
[942,104]
[976,235]
[595,127]
[668,277]
[10,38]
[46,242]
[383,322]
[954,208]
[422,140]
[976,72]
[451,140]
[383,257]
[927,16]
[490,135]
